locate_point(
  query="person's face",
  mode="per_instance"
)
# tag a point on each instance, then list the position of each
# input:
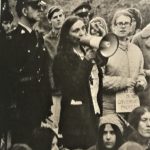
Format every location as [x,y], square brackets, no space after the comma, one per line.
[6,26]
[77,31]
[57,19]
[54,144]
[144,125]
[122,27]
[109,136]
[33,14]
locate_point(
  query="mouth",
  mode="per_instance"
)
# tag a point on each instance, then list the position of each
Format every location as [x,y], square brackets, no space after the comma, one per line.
[148,131]
[123,31]
[109,143]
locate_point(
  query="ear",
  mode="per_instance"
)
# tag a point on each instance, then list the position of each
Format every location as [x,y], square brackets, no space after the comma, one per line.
[24,11]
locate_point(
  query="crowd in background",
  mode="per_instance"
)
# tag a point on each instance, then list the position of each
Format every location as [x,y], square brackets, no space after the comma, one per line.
[61,89]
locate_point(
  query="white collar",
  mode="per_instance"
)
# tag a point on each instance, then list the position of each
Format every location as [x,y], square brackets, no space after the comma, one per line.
[26,27]
[80,54]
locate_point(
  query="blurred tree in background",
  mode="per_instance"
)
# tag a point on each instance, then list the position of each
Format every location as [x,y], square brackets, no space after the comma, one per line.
[103,8]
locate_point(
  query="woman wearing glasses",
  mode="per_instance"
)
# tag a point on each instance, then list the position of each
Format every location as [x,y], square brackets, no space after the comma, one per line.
[123,74]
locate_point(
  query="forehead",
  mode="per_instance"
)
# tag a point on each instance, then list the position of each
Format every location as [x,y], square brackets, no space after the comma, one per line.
[123,18]
[146,115]
[77,24]
[57,13]
[108,127]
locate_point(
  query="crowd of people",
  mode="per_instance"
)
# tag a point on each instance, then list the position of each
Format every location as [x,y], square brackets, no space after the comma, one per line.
[59,90]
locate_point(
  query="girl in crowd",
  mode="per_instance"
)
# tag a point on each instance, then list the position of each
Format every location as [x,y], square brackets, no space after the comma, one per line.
[139,119]
[110,135]
[72,68]
[123,74]
[44,139]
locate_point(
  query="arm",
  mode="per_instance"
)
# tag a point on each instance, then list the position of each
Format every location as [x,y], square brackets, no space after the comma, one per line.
[116,83]
[141,82]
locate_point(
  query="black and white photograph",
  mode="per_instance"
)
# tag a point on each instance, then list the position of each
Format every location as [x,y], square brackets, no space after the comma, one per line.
[74,74]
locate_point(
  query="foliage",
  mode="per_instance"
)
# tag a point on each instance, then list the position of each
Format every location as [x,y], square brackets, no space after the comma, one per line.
[103,8]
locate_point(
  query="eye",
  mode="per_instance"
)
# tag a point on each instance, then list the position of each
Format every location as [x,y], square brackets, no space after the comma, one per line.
[112,132]
[60,15]
[75,30]
[143,119]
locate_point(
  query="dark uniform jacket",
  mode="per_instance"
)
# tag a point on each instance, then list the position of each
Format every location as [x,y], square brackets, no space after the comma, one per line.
[29,71]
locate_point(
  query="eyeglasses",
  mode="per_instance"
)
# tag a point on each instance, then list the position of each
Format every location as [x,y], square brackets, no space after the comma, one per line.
[120,24]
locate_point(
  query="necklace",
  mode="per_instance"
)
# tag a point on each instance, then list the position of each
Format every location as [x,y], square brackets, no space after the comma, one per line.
[123,45]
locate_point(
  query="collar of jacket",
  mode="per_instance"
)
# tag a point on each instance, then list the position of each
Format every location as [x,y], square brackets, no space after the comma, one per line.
[53,34]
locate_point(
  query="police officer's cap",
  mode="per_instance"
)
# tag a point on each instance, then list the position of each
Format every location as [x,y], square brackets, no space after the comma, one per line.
[83,8]
[34,3]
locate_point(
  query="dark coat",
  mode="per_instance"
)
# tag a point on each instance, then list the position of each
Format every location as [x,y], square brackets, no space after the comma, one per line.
[77,122]
[30,84]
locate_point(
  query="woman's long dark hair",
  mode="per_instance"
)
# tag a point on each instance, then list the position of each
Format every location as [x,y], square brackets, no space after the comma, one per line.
[65,44]
[119,138]
[135,115]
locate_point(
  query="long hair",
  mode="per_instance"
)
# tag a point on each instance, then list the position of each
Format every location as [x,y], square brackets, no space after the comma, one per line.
[42,138]
[100,143]
[65,44]
[135,115]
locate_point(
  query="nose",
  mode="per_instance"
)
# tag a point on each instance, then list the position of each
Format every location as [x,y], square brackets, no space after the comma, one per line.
[108,136]
[82,32]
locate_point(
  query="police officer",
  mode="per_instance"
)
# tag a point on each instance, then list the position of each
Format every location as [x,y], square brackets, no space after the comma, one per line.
[84,11]
[29,73]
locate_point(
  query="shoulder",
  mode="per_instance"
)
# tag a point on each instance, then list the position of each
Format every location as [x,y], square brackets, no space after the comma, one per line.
[133,47]
[131,145]
[20,32]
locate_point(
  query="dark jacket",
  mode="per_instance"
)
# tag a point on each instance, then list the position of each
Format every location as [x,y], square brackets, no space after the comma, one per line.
[30,85]
[77,118]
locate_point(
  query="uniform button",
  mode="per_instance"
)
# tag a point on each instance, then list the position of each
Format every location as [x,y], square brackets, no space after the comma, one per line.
[37,71]
[38,57]
[44,49]
[39,80]
[29,51]
[20,70]
[22,91]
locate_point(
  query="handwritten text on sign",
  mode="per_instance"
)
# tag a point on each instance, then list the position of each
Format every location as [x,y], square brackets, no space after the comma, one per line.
[126,101]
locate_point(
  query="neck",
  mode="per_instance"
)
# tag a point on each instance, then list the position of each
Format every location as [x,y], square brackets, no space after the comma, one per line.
[56,30]
[24,21]
[122,38]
